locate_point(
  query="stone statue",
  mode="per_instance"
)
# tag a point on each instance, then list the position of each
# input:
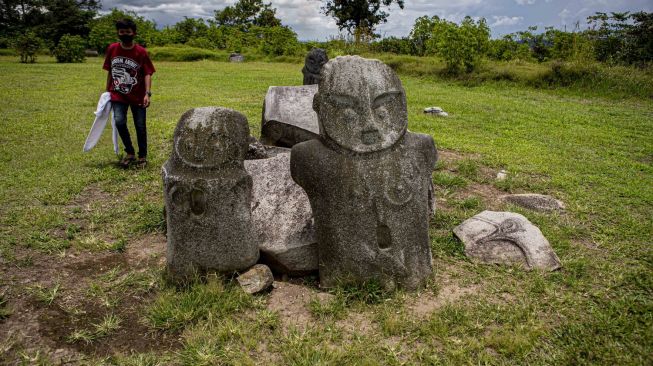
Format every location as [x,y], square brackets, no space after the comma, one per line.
[313,63]
[367,178]
[207,195]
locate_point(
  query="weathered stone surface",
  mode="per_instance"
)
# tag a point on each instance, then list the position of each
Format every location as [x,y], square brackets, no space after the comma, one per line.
[536,202]
[506,238]
[257,279]
[288,116]
[255,149]
[236,57]
[367,178]
[313,63]
[282,216]
[207,194]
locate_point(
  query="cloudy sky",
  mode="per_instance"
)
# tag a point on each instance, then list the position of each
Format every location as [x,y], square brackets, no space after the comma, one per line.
[503,16]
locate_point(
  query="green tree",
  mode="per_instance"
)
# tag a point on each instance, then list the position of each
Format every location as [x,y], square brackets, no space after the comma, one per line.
[190,28]
[103,29]
[422,32]
[246,13]
[359,17]
[277,41]
[27,45]
[461,46]
[49,19]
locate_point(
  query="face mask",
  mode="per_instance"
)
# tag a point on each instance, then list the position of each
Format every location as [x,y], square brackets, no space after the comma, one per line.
[126,38]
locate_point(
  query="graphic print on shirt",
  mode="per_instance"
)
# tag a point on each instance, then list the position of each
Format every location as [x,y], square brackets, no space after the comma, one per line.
[123,73]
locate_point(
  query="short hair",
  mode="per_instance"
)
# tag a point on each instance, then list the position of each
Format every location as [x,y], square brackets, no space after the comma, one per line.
[126,24]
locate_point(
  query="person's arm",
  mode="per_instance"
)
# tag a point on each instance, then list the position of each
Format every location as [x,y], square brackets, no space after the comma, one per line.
[148,88]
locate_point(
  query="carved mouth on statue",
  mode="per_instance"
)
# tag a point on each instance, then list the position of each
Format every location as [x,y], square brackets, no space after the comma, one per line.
[370,137]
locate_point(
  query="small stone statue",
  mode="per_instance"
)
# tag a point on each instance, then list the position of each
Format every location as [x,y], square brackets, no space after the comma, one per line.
[313,63]
[367,178]
[207,195]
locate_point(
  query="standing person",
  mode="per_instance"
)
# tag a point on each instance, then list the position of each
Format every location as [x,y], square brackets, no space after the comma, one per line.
[130,82]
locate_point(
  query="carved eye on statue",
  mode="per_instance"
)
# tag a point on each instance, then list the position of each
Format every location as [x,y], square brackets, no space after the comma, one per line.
[350,115]
[381,113]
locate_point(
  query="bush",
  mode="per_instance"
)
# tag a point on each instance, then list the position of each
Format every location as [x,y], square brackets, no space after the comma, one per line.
[70,49]
[200,42]
[507,49]
[279,41]
[399,46]
[185,54]
[461,46]
[27,45]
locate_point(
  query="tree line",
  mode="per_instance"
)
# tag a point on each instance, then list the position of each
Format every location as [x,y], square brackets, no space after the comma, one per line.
[68,27]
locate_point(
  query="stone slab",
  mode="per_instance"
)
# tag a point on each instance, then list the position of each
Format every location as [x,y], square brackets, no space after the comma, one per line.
[282,216]
[288,116]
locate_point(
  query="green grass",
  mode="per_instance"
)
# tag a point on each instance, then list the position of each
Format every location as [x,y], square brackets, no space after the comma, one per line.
[593,150]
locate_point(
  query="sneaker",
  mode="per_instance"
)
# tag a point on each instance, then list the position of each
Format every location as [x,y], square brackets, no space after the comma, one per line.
[141,163]
[126,161]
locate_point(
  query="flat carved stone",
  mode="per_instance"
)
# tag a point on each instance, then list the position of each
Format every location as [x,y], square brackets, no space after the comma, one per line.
[506,238]
[367,179]
[207,195]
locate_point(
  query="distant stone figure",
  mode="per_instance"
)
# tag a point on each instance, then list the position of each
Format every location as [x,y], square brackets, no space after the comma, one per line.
[367,178]
[313,63]
[207,195]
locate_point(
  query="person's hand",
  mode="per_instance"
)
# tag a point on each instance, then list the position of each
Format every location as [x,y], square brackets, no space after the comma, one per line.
[146,101]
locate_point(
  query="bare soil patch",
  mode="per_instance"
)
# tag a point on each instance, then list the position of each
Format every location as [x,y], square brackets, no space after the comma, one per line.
[38,328]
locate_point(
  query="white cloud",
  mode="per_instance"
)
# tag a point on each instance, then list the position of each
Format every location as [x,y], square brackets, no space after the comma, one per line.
[503,20]
[564,14]
[526,2]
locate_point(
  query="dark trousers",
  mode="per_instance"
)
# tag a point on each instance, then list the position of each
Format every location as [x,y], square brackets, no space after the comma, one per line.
[139,116]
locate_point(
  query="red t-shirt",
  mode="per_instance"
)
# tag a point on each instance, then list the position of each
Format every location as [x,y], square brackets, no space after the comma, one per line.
[128,69]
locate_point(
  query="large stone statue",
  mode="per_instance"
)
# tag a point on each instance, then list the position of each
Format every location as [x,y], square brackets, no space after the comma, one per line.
[313,63]
[207,194]
[367,178]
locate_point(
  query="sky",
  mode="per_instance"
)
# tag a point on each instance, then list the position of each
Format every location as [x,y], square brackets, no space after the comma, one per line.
[305,18]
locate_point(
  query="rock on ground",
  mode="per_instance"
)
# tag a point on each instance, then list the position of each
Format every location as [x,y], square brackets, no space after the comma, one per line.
[536,202]
[256,279]
[506,238]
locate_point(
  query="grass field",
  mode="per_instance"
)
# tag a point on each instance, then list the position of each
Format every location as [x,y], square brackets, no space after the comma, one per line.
[81,241]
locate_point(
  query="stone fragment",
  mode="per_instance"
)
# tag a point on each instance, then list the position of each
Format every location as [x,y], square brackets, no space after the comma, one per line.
[288,116]
[257,279]
[313,63]
[436,111]
[535,202]
[433,110]
[207,195]
[367,178]
[255,149]
[282,216]
[506,238]
[236,57]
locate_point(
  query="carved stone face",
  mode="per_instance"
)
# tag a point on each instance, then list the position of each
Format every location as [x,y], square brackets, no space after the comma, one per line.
[209,137]
[361,104]
[315,59]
